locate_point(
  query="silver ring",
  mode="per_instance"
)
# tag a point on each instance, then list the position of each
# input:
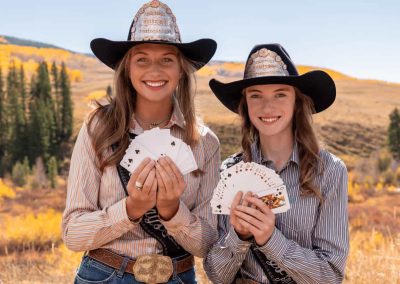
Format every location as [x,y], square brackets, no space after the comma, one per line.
[138,185]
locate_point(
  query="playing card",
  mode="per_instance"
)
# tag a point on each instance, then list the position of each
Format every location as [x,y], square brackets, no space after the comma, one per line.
[134,155]
[276,199]
[252,177]
[185,160]
[156,143]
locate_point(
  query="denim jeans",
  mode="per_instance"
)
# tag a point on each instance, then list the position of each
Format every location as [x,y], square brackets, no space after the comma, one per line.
[93,272]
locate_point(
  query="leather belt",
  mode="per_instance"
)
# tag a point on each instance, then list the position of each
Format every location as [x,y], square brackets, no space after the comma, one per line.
[115,260]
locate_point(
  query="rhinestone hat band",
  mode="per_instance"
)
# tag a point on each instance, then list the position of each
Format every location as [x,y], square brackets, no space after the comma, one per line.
[265,62]
[155,21]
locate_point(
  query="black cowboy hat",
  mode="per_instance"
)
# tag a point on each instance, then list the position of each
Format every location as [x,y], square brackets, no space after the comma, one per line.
[280,69]
[111,52]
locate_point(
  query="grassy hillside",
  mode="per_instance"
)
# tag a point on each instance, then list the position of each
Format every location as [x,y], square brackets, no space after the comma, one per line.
[31,250]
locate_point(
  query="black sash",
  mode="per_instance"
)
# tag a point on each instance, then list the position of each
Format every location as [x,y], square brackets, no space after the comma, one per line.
[274,274]
[150,222]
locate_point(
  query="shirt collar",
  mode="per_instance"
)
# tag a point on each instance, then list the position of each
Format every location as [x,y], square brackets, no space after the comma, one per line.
[259,159]
[176,119]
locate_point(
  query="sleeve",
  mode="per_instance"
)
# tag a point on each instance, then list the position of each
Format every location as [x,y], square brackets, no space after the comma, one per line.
[85,226]
[325,263]
[196,230]
[226,256]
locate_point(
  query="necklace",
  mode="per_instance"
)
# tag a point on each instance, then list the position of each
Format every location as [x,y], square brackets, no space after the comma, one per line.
[152,124]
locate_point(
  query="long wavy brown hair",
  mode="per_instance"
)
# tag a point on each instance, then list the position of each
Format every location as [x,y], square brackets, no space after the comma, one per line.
[109,124]
[304,134]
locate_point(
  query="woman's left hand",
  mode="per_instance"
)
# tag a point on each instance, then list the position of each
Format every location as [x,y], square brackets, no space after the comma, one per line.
[258,219]
[170,188]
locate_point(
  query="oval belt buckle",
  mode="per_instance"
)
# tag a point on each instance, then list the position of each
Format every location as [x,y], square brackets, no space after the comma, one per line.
[153,268]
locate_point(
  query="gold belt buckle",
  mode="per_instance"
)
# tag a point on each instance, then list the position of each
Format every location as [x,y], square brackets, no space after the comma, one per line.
[153,268]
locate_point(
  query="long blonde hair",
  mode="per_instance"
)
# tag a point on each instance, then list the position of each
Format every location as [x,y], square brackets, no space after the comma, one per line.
[113,120]
[306,139]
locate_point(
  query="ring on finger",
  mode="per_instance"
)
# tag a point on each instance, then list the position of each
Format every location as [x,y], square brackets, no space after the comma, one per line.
[138,185]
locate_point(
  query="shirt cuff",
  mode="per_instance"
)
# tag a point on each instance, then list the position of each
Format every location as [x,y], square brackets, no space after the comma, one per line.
[237,245]
[119,216]
[276,247]
[181,219]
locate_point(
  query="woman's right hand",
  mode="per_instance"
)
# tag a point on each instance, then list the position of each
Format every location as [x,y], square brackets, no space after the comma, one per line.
[140,201]
[241,231]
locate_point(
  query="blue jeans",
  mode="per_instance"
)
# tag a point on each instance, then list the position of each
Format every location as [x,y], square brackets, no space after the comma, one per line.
[93,272]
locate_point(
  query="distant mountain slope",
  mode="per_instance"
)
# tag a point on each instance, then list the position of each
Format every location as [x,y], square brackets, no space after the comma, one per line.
[25,42]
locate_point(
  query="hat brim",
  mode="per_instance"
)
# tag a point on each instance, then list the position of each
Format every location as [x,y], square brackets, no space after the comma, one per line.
[318,85]
[111,52]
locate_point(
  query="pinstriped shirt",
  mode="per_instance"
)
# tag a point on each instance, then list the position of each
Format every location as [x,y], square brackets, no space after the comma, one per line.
[310,241]
[95,215]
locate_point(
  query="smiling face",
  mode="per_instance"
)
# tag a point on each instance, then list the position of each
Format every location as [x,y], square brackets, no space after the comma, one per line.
[270,108]
[155,71]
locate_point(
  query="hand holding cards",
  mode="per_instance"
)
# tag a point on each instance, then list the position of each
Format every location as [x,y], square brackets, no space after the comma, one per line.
[156,143]
[244,177]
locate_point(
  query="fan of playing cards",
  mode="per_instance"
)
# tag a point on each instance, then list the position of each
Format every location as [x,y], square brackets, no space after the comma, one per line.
[156,143]
[258,179]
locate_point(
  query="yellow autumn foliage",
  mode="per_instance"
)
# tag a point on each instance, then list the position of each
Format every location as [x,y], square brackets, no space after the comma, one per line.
[29,56]
[75,75]
[96,95]
[233,66]
[207,71]
[334,74]
[37,229]
[5,191]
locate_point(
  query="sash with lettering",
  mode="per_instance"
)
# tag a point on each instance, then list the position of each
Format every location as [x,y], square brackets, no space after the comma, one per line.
[150,222]
[274,274]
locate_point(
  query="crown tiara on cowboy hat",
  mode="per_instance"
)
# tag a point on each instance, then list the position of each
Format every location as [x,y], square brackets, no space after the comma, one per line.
[271,64]
[153,23]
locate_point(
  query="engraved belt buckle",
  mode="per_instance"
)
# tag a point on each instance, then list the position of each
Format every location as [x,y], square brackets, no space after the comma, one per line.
[153,268]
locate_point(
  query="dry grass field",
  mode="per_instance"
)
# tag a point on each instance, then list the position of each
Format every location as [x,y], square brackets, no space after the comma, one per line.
[31,250]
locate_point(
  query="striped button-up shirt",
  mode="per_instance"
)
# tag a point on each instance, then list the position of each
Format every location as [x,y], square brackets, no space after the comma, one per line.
[310,241]
[95,215]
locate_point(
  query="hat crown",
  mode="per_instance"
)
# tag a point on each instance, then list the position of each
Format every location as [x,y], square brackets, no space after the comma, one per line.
[269,60]
[154,21]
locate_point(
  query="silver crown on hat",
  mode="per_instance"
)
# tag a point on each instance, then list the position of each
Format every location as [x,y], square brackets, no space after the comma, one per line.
[155,21]
[265,62]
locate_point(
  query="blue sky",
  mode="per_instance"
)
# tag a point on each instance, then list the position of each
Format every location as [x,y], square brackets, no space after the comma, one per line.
[360,38]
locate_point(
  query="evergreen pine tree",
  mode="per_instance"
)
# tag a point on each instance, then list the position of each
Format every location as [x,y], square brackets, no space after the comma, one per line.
[42,117]
[109,92]
[56,98]
[52,171]
[394,134]
[15,115]
[34,145]
[66,105]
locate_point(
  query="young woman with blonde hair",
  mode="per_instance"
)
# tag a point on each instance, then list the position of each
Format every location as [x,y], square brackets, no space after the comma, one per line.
[144,227]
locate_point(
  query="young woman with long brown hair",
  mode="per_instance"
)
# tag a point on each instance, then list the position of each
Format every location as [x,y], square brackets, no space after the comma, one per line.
[309,242]
[147,226]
